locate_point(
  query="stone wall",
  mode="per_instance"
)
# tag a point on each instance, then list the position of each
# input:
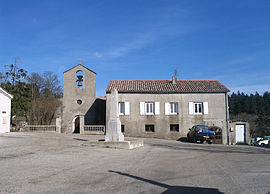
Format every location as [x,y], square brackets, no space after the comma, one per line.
[71,108]
[135,122]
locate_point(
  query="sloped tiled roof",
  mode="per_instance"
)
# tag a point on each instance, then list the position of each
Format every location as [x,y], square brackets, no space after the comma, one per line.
[166,86]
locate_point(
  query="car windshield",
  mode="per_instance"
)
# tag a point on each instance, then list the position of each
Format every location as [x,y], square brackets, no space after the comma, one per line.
[202,127]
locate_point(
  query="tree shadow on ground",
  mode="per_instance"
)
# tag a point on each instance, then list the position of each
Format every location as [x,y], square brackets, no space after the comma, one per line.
[172,189]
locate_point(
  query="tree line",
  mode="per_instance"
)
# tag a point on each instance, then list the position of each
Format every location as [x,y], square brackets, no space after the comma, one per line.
[35,97]
[253,108]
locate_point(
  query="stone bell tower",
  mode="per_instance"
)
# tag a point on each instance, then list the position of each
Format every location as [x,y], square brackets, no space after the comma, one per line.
[78,96]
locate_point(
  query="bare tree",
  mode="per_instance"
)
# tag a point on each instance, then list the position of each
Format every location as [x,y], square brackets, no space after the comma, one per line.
[36,82]
[51,84]
[46,93]
[45,84]
[42,110]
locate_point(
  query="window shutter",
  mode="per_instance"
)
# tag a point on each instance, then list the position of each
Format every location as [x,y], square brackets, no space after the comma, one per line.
[190,108]
[167,108]
[205,108]
[126,108]
[157,112]
[142,112]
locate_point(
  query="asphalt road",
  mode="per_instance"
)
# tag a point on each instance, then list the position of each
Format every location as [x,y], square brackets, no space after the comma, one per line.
[58,163]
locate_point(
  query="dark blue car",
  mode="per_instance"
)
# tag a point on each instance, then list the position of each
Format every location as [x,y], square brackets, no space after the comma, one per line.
[200,133]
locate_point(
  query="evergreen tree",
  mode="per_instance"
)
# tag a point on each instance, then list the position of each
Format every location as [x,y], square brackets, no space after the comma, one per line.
[256,105]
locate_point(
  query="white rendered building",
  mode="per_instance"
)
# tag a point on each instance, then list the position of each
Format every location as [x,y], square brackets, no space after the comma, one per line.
[5,110]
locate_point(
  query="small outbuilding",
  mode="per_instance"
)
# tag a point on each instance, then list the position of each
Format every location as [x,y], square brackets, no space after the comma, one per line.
[5,110]
[239,133]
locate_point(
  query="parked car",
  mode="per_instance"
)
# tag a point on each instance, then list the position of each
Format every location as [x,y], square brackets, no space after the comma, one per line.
[254,141]
[263,141]
[200,133]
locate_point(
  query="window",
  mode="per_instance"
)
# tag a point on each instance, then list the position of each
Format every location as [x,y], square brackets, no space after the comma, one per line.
[171,108]
[174,127]
[150,128]
[123,128]
[198,108]
[121,108]
[79,102]
[149,108]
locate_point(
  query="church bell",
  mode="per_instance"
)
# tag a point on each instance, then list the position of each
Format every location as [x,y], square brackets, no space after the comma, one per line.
[80,80]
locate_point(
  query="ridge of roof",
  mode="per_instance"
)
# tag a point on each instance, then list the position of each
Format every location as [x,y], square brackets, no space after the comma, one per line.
[80,65]
[164,80]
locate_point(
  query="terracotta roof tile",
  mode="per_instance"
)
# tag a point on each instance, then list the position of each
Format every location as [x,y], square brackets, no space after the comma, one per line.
[166,86]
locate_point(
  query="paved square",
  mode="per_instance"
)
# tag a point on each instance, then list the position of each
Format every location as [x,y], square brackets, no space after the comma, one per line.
[58,163]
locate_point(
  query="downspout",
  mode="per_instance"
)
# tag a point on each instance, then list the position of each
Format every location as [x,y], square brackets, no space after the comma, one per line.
[227,117]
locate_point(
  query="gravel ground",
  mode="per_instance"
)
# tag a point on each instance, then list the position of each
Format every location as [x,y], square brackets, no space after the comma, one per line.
[60,163]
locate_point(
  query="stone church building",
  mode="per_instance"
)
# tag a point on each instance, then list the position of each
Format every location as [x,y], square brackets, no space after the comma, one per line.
[80,105]
[147,108]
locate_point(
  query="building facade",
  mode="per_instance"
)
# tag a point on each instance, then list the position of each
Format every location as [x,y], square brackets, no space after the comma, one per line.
[78,98]
[5,110]
[168,108]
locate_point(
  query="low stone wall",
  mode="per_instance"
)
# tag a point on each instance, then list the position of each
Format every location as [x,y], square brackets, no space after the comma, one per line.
[39,128]
[94,129]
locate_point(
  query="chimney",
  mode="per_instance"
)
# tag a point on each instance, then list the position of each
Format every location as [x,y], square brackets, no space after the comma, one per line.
[174,79]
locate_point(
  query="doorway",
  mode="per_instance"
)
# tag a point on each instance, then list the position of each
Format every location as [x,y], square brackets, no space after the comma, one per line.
[218,134]
[240,134]
[77,125]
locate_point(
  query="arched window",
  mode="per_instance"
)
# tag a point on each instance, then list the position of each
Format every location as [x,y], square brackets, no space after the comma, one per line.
[79,79]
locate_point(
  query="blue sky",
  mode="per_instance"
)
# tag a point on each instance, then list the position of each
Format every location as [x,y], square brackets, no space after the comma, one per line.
[132,40]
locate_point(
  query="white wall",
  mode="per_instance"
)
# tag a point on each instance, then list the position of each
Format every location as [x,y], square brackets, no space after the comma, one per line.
[5,109]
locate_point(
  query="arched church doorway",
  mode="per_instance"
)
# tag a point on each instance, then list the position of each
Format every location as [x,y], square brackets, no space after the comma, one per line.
[77,125]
